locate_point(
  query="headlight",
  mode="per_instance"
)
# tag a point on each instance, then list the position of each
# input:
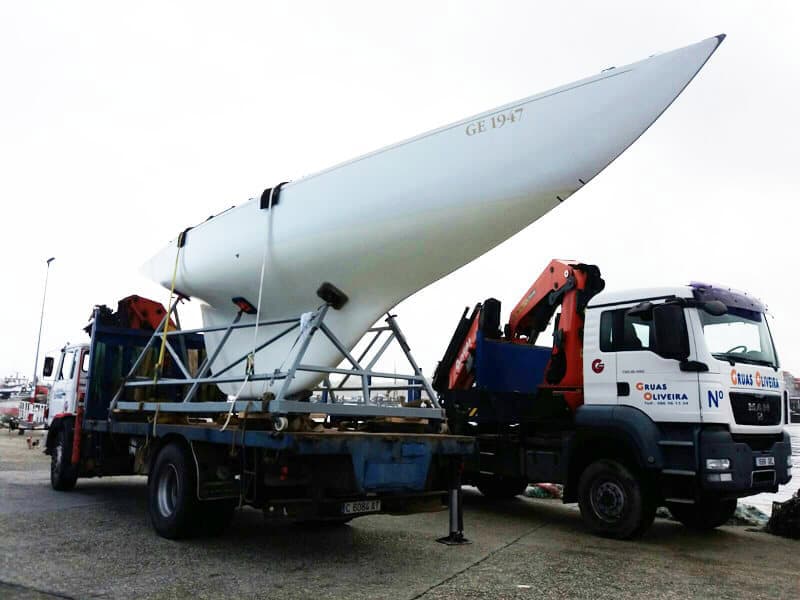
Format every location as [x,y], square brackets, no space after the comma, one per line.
[718,464]
[719,477]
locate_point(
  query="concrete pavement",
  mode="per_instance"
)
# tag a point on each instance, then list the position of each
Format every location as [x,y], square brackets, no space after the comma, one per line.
[96,542]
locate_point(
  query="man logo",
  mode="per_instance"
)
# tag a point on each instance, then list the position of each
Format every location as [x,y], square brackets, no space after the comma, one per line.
[598,365]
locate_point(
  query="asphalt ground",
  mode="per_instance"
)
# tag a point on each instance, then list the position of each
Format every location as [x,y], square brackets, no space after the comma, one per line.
[96,542]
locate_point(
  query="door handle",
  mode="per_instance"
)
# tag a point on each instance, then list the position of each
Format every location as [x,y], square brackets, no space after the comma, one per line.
[623,388]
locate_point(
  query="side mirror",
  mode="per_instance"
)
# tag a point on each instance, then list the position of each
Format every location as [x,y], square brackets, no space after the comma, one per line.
[47,370]
[715,308]
[672,337]
[643,310]
[693,366]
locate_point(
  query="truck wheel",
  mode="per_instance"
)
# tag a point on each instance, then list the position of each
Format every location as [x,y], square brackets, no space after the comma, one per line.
[172,494]
[63,474]
[705,515]
[501,488]
[613,501]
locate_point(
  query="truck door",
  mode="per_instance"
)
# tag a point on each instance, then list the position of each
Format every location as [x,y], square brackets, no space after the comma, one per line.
[62,393]
[646,378]
[599,366]
[81,372]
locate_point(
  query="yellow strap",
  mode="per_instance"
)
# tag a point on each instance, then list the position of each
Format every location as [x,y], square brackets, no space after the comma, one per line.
[155,418]
[160,362]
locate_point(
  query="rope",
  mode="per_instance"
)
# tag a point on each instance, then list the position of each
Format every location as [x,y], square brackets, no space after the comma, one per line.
[155,418]
[235,399]
[261,283]
[261,279]
[160,363]
[305,322]
[251,358]
[243,492]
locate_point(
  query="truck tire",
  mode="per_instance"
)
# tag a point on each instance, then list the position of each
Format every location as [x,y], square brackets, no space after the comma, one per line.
[172,493]
[704,516]
[501,488]
[63,474]
[614,502]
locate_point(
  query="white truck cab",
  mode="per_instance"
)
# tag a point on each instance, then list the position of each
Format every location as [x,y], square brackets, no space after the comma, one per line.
[697,365]
[661,351]
[69,380]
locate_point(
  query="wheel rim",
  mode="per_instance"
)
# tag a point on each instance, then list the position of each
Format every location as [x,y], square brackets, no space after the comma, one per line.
[608,500]
[168,491]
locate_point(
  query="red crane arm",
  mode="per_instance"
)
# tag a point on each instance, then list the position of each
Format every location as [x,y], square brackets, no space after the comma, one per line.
[532,313]
[571,285]
[462,374]
[565,283]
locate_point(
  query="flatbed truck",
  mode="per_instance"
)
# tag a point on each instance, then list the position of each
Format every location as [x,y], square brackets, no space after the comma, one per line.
[207,455]
[668,396]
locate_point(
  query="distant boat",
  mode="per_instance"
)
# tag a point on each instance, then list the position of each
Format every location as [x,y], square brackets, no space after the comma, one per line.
[10,390]
[387,224]
[13,386]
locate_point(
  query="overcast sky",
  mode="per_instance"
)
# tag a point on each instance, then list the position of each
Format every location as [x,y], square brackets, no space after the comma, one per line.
[122,124]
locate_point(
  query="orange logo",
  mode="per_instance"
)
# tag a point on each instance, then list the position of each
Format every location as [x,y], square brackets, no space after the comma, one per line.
[640,386]
[758,379]
[733,376]
[648,397]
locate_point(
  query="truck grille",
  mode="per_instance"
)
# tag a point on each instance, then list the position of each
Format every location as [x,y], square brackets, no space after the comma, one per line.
[756,409]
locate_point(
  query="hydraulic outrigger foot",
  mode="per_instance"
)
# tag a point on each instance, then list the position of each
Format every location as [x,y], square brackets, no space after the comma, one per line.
[456,520]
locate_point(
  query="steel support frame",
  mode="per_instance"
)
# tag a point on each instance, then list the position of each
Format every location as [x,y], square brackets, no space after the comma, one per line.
[281,404]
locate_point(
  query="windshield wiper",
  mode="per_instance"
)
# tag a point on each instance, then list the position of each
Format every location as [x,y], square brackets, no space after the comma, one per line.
[756,361]
[734,358]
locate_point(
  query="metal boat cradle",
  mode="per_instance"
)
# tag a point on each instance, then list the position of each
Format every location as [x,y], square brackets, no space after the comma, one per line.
[279,406]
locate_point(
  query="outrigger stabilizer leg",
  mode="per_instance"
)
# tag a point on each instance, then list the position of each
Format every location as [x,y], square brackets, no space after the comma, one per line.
[456,509]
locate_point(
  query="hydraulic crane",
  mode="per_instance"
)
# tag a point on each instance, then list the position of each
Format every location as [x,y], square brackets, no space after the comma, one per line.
[565,283]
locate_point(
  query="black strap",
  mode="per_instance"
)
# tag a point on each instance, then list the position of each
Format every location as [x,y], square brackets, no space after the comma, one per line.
[182,237]
[274,192]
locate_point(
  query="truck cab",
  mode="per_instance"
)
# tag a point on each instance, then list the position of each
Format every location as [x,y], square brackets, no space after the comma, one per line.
[69,380]
[697,370]
[698,364]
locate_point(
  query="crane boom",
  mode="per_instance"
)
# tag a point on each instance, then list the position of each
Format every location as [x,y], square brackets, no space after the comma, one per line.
[565,283]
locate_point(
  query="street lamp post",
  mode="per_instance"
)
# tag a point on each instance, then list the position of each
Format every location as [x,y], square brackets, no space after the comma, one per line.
[41,320]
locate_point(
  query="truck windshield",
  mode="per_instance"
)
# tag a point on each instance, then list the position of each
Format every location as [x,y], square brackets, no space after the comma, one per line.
[739,336]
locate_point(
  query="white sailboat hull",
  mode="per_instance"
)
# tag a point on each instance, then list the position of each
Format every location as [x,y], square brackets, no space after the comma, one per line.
[387,224]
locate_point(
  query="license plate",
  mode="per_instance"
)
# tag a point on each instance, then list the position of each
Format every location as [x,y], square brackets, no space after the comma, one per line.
[360,507]
[765,461]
